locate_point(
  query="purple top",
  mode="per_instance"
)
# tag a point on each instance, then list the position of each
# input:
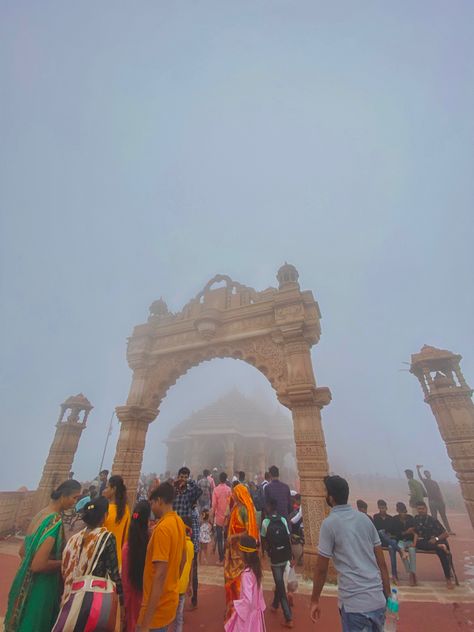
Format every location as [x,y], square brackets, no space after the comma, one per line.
[281,493]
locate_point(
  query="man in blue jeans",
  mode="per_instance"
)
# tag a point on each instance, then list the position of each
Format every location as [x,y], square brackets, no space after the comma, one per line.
[276,540]
[352,542]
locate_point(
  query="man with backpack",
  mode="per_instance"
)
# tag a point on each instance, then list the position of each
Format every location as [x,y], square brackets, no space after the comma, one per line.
[276,540]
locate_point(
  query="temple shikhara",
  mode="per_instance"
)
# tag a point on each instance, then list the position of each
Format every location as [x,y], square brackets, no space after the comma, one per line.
[235,433]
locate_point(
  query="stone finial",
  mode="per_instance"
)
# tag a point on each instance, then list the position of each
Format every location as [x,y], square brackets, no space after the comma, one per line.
[159,308]
[287,276]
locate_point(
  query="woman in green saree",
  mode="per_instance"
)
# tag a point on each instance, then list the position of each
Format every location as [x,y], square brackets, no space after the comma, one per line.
[33,602]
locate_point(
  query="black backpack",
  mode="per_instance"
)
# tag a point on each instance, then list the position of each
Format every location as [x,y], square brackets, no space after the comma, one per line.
[278,541]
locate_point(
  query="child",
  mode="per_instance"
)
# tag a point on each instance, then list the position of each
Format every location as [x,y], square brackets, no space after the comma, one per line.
[177,625]
[204,536]
[248,610]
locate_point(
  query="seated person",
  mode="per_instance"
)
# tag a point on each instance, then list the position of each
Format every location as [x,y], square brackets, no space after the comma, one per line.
[403,531]
[383,523]
[430,535]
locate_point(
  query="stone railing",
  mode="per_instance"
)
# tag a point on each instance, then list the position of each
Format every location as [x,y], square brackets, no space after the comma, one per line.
[15,511]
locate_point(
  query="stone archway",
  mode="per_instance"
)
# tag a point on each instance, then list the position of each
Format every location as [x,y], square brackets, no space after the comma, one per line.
[272,330]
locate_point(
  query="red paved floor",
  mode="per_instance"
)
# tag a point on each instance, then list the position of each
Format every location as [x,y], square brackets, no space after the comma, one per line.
[414,617]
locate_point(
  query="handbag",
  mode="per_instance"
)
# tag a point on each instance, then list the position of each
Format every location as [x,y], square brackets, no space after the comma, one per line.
[93,603]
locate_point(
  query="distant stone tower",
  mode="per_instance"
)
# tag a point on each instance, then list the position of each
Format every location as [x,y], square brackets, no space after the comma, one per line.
[63,449]
[450,398]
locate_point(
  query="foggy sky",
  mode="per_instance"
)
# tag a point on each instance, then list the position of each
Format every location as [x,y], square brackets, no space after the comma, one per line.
[146,147]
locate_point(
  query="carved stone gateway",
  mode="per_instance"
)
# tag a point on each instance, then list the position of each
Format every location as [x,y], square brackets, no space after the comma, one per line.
[272,330]
[450,398]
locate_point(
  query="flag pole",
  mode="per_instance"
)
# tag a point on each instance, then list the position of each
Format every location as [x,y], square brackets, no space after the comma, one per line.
[107,441]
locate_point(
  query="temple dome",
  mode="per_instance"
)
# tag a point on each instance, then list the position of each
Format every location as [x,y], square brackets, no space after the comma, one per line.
[287,276]
[234,413]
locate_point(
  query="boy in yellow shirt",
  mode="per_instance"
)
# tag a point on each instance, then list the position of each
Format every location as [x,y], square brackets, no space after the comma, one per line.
[177,625]
[164,564]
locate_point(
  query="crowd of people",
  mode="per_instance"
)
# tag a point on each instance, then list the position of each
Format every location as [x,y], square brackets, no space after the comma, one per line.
[131,571]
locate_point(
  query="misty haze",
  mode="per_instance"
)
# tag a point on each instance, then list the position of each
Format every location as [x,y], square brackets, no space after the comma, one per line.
[146,149]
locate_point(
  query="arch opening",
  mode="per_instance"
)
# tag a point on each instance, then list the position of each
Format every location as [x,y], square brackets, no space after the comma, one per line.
[216,413]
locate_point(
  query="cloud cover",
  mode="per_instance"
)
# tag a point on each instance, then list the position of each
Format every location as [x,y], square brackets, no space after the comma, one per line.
[146,148]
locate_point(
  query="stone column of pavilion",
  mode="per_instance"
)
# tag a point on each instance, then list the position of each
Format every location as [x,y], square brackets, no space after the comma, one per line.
[261,457]
[305,400]
[63,448]
[229,449]
[450,399]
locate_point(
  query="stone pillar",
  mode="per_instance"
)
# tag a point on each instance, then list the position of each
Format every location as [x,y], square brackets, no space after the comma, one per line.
[239,456]
[229,448]
[63,448]
[188,452]
[312,464]
[128,460]
[196,464]
[453,409]
[305,401]
[261,457]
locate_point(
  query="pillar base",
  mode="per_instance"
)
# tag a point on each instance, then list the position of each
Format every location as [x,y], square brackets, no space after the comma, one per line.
[310,558]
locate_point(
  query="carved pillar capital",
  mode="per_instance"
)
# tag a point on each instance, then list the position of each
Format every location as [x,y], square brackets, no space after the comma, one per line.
[139,414]
[308,395]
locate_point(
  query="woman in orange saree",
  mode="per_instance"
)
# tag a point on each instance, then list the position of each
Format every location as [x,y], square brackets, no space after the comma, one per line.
[243,521]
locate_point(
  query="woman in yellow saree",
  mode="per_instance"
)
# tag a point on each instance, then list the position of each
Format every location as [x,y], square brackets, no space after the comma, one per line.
[243,521]
[33,602]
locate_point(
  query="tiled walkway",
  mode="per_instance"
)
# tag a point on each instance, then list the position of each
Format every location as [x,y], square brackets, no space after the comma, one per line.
[435,591]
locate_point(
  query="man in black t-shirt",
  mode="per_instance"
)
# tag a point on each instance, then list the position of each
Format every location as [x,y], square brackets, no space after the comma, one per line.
[430,535]
[383,523]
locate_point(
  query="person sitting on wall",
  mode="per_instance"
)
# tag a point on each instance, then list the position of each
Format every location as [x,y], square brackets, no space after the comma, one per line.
[383,524]
[430,535]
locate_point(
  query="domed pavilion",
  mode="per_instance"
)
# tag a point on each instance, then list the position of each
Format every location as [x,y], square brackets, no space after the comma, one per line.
[233,433]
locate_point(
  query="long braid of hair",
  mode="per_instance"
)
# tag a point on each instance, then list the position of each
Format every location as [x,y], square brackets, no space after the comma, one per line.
[137,543]
[117,483]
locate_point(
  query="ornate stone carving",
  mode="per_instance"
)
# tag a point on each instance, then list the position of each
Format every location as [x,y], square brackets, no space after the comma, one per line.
[289,312]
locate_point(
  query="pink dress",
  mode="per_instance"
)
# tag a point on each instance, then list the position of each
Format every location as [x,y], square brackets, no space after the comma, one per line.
[248,614]
[132,598]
